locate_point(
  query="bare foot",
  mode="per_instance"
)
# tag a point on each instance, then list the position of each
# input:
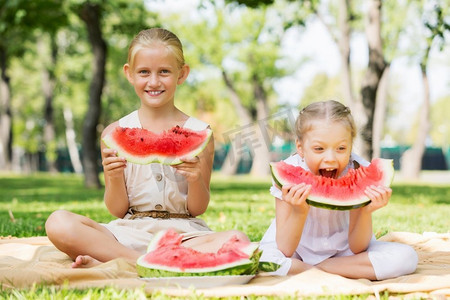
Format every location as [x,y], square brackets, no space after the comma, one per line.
[85,261]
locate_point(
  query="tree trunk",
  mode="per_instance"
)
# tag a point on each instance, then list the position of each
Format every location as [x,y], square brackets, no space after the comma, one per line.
[90,13]
[71,141]
[411,160]
[373,75]
[261,150]
[234,137]
[5,114]
[380,113]
[344,49]
[48,85]
[342,40]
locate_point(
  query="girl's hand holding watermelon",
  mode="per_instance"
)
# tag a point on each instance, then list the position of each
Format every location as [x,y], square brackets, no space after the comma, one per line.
[189,168]
[112,164]
[296,195]
[379,196]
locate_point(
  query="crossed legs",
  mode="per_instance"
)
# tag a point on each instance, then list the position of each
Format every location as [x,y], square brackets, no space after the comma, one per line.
[88,243]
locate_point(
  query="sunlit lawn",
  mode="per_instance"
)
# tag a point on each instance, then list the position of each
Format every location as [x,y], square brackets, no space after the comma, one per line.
[240,202]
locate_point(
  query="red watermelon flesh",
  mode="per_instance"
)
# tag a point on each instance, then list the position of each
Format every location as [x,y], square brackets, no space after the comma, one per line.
[187,258]
[168,257]
[346,192]
[143,146]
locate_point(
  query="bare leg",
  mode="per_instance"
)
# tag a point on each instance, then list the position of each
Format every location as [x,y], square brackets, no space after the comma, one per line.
[354,266]
[212,242]
[84,240]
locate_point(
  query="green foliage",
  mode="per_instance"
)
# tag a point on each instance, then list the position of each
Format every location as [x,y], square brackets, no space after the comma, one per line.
[394,17]
[322,88]
[235,40]
[440,130]
[26,15]
[253,3]
[121,19]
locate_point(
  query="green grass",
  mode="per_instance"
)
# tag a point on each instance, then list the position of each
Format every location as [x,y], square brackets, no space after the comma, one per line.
[239,202]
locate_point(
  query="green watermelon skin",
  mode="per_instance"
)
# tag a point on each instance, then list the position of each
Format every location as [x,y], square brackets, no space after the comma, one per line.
[166,257]
[141,146]
[243,269]
[336,206]
[344,193]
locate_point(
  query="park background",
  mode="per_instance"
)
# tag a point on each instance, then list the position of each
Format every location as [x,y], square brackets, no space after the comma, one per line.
[254,64]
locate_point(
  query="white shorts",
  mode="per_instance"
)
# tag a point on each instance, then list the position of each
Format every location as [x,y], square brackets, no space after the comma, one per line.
[389,259]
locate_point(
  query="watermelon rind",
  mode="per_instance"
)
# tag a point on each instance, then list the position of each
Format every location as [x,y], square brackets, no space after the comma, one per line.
[267,266]
[335,206]
[387,167]
[243,267]
[165,160]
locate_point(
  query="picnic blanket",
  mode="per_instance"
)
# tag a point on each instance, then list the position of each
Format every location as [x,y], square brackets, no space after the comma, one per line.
[28,261]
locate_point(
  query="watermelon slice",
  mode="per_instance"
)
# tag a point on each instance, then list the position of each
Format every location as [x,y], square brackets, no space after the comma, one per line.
[344,193]
[142,146]
[166,257]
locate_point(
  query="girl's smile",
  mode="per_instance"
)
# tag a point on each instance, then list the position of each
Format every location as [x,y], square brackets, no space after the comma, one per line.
[154,93]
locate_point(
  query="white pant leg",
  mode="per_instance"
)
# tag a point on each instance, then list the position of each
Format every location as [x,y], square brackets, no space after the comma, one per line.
[270,253]
[390,259]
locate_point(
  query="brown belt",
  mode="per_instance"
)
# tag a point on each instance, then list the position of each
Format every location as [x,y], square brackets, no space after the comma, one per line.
[160,214]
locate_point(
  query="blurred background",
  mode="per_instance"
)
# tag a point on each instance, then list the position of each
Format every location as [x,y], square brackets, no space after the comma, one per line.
[254,64]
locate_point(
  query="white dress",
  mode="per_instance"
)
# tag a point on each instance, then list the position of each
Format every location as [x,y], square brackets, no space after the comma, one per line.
[325,235]
[155,187]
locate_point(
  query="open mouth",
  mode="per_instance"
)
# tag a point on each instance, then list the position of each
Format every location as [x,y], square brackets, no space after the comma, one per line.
[328,172]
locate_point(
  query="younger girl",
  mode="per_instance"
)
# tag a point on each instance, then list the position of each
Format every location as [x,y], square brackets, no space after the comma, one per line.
[146,198]
[340,242]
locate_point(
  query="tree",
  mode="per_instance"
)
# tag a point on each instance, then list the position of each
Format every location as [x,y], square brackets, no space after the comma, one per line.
[18,20]
[437,26]
[48,87]
[243,50]
[395,16]
[363,107]
[90,13]
[93,13]
[373,75]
